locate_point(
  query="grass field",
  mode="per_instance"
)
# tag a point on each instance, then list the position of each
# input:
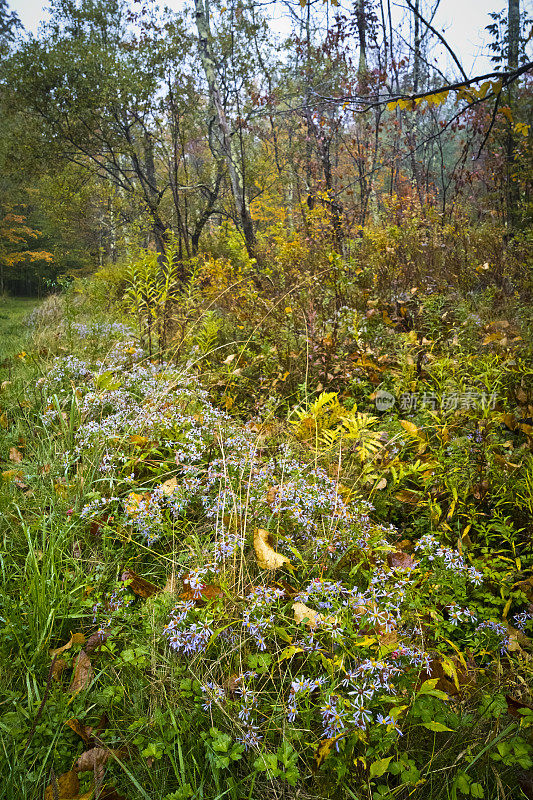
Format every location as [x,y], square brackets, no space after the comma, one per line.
[12,313]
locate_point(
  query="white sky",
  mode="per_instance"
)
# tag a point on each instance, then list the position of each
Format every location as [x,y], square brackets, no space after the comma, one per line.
[462,21]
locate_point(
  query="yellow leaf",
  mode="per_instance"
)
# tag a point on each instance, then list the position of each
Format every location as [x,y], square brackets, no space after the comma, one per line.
[66,787]
[132,506]
[324,749]
[304,614]
[75,638]
[170,486]
[411,429]
[267,557]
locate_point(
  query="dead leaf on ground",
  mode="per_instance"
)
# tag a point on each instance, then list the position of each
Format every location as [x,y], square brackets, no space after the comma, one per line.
[387,638]
[110,793]
[75,638]
[65,787]
[83,731]
[96,640]
[15,455]
[201,594]
[267,557]
[514,704]
[83,673]
[93,760]
[304,614]
[407,496]
[400,560]
[58,666]
[138,585]
[170,486]
[134,503]
[324,749]
[271,495]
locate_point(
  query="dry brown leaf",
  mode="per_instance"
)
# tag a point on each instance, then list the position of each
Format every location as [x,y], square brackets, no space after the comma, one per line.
[140,586]
[407,496]
[83,731]
[170,486]
[15,455]
[267,557]
[138,440]
[65,787]
[96,640]
[382,484]
[75,638]
[304,614]
[200,596]
[271,495]
[411,429]
[83,673]
[58,666]
[514,704]
[92,760]
[400,560]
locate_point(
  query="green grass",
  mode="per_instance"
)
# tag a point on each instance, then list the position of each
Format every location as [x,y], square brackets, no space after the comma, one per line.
[13,334]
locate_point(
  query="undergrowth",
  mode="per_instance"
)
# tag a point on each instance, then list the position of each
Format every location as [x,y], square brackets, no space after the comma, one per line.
[267,543]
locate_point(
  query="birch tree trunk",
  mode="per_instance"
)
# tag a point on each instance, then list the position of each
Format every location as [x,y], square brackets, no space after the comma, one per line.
[221,124]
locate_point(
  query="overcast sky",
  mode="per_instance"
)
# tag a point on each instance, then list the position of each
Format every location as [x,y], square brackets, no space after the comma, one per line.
[462,21]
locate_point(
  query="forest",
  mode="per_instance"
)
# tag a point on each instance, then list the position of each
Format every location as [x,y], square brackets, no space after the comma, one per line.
[266,402]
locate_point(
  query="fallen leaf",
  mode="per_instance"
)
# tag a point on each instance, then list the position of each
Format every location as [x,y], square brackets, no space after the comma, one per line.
[407,496]
[267,557]
[514,705]
[411,429]
[134,503]
[170,486]
[75,638]
[382,484]
[271,495]
[83,673]
[138,440]
[15,455]
[140,586]
[304,614]
[200,594]
[96,640]
[93,760]
[58,666]
[400,560]
[83,731]
[65,787]
[324,749]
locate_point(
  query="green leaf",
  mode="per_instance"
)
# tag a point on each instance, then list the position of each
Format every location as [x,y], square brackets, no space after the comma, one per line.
[379,768]
[462,782]
[476,790]
[435,726]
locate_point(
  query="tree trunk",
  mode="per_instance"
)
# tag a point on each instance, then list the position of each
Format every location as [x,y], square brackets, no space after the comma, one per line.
[513,39]
[222,126]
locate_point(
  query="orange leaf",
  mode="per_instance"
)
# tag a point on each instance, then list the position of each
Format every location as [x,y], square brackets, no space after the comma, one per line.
[140,586]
